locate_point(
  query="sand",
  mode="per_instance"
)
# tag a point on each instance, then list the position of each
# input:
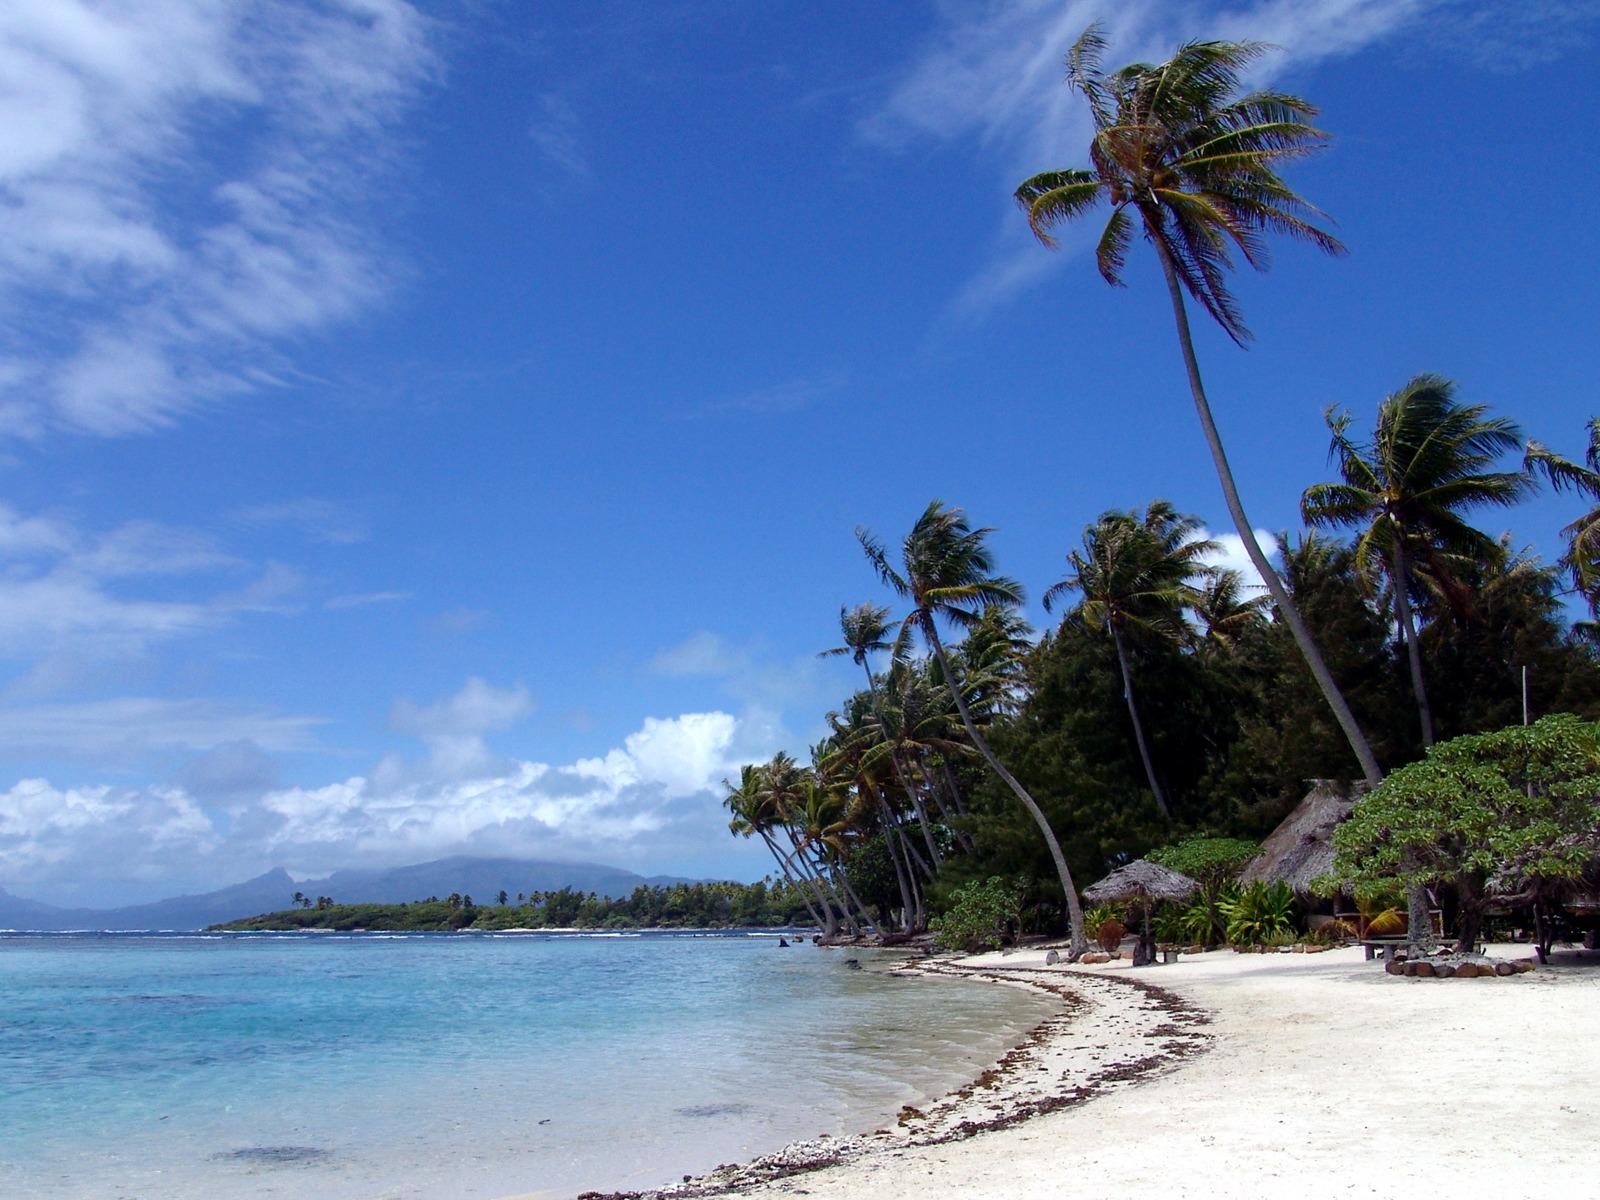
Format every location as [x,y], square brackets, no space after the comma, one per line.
[1228,1075]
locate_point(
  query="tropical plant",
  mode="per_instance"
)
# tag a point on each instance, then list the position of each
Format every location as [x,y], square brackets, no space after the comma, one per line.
[1213,863]
[1429,459]
[1582,556]
[1224,612]
[980,916]
[1180,150]
[1259,914]
[1518,808]
[1136,575]
[947,572]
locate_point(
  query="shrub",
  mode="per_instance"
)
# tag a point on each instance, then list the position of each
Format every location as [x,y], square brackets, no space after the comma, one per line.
[1110,934]
[979,916]
[1259,914]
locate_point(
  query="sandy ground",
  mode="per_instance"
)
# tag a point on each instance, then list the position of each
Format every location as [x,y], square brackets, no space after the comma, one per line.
[1227,1075]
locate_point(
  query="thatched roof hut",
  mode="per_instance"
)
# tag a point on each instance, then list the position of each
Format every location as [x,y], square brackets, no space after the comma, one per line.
[1300,849]
[1140,880]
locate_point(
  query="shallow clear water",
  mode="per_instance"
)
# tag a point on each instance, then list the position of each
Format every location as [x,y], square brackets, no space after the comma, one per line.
[452,1067]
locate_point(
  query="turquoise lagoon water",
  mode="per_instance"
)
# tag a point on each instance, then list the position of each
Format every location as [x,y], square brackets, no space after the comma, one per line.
[451,1067]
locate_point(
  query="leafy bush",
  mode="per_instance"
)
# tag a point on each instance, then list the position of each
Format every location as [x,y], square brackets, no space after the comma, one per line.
[1259,914]
[980,915]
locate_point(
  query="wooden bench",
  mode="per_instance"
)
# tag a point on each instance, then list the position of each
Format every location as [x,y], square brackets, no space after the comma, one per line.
[1387,944]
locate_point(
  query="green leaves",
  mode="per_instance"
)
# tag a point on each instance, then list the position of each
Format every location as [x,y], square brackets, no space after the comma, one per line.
[1195,156]
[1517,805]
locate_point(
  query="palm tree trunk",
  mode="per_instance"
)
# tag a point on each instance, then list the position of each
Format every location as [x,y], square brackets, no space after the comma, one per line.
[900,871]
[1230,492]
[789,875]
[1408,631]
[936,791]
[830,924]
[1079,943]
[1138,725]
[899,773]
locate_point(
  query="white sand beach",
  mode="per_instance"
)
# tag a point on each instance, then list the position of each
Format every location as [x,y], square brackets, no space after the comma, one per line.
[1251,1075]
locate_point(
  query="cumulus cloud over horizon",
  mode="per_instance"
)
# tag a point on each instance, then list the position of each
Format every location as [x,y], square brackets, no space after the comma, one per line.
[645,801]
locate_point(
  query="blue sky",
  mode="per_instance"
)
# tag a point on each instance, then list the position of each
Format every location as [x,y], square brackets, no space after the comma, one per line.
[432,428]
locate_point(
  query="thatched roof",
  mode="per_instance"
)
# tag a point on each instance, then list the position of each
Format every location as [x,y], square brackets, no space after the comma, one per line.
[1300,849]
[1140,880]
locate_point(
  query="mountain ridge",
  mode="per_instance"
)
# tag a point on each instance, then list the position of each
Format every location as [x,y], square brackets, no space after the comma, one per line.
[481,878]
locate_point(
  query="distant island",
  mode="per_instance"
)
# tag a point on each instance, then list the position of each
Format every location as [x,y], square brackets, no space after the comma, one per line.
[674,906]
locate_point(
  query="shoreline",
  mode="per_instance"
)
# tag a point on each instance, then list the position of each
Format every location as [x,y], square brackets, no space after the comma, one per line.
[1065,1060]
[1255,1074]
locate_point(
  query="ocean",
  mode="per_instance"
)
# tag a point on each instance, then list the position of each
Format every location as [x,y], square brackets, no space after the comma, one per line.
[453,1066]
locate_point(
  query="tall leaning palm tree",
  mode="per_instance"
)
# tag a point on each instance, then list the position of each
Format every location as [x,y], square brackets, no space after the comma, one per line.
[1181,154]
[1430,458]
[1136,575]
[947,572]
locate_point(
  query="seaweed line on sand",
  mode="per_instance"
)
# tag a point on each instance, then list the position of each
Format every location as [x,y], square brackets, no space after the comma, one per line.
[1100,1038]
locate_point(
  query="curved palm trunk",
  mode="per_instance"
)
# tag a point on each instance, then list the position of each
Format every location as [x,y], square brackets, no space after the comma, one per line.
[1408,631]
[1079,943]
[899,772]
[789,876]
[830,923]
[936,790]
[1138,725]
[900,870]
[1230,493]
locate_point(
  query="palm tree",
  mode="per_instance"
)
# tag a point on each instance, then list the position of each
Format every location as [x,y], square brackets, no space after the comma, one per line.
[864,628]
[752,815]
[1135,575]
[949,573]
[1222,608]
[1428,459]
[1178,149]
[1582,558]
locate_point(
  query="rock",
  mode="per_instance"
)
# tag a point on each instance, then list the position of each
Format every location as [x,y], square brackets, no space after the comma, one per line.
[1425,970]
[1467,970]
[1394,967]
[1051,958]
[1504,968]
[1095,956]
[1445,970]
[1524,965]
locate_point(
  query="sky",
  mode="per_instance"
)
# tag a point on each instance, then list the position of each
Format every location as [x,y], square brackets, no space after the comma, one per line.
[440,427]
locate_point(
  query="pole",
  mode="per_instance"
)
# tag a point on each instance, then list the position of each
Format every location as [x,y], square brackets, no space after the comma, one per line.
[1524,693]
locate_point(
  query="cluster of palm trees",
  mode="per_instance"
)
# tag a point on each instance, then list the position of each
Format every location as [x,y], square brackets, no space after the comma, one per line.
[1184,156]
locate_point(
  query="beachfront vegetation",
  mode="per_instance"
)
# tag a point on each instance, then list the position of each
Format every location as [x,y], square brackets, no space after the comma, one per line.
[763,905]
[1510,817]
[1174,711]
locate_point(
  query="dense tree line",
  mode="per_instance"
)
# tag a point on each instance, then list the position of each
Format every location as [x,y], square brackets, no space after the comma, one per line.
[1170,700]
[761,905]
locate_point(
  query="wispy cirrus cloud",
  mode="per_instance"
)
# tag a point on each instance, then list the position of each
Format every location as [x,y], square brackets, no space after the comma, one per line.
[186,187]
[993,74]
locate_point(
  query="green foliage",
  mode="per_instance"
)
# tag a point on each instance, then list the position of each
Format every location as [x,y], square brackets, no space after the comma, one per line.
[980,915]
[1210,861]
[680,906]
[1259,914]
[1522,803]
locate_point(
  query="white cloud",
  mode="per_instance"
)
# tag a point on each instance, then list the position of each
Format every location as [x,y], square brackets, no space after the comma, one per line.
[654,796]
[701,653]
[319,520]
[128,729]
[184,184]
[1231,555]
[994,74]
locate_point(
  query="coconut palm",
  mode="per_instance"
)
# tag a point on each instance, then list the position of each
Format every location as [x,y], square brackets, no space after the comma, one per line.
[1428,460]
[1135,575]
[750,815]
[947,572]
[864,628]
[1223,610]
[1179,153]
[1582,557]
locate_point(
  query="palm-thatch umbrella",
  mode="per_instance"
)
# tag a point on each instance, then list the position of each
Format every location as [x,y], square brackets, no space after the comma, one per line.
[1143,881]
